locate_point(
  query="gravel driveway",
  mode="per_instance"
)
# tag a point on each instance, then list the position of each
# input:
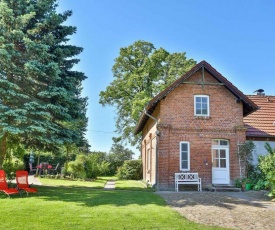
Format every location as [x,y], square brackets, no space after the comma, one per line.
[236,210]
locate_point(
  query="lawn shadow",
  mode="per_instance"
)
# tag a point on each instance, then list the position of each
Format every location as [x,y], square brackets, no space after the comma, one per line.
[96,197]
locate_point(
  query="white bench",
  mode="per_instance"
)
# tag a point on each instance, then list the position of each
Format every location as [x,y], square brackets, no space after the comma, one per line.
[187,178]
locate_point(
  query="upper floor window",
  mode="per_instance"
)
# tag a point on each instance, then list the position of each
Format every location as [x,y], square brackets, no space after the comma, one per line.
[184,156]
[201,105]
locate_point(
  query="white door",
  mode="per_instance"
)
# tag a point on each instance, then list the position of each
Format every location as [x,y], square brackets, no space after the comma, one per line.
[220,162]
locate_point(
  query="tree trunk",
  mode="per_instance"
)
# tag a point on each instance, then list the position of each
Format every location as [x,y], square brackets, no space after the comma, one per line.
[3,149]
[38,162]
[67,157]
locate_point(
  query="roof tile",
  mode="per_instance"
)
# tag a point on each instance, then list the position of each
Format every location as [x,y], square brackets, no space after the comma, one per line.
[261,123]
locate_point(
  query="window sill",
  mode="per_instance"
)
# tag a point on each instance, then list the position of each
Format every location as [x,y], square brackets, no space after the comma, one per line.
[203,117]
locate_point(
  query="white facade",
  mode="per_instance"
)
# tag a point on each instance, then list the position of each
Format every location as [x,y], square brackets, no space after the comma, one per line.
[260,149]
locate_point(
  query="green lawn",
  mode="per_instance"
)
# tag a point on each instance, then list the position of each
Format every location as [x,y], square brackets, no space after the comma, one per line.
[77,205]
[99,183]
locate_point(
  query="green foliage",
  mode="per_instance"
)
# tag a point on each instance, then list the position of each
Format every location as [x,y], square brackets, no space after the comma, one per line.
[104,168]
[267,166]
[88,166]
[140,72]
[116,157]
[11,165]
[260,184]
[245,153]
[41,100]
[238,183]
[130,170]
[76,168]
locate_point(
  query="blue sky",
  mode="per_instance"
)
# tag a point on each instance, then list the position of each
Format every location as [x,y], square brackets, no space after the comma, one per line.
[236,37]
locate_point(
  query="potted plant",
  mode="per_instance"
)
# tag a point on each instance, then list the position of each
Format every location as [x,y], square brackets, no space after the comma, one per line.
[248,184]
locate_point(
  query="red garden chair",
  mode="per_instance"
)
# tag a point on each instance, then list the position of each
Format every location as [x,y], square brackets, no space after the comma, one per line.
[4,185]
[22,182]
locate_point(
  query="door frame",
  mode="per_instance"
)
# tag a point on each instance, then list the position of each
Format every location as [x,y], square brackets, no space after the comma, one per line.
[221,144]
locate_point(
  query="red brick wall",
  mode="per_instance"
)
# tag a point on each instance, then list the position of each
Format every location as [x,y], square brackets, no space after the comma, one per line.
[177,123]
[149,141]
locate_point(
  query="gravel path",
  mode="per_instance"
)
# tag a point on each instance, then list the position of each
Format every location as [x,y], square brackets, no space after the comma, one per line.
[236,210]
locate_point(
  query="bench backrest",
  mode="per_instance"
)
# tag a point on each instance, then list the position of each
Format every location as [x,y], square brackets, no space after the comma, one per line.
[187,176]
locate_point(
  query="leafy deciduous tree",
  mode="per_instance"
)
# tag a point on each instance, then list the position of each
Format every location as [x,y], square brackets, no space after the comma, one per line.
[140,72]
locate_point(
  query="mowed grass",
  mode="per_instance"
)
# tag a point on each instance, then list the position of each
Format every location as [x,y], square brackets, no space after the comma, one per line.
[130,185]
[79,206]
[99,183]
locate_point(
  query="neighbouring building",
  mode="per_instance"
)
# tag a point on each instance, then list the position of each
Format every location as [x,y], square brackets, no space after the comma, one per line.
[261,123]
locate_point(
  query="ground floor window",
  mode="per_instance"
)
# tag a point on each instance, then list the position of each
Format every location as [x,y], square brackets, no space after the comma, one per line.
[184,156]
[148,159]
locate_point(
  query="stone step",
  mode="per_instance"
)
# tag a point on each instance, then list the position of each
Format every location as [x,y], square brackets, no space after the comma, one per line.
[226,188]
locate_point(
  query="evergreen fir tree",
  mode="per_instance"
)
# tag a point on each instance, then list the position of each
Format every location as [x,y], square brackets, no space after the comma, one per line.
[40,94]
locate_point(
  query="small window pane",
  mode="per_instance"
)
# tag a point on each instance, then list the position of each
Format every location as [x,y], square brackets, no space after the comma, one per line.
[204,100]
[223,142]
[215,142]
[223,163]
[184,156]
[222,153]
[198,100]
[204,112]
[184,147]
[216,163]
[215,153]
[184,165]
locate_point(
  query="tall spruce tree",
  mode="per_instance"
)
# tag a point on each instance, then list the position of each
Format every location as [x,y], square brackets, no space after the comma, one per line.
[40,94]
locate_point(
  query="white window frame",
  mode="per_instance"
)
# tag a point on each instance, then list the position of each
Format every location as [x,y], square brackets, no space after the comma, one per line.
[188,156]
[208,106]
[148,159]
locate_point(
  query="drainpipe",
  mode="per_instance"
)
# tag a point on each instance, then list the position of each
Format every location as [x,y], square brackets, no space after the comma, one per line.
[157,134]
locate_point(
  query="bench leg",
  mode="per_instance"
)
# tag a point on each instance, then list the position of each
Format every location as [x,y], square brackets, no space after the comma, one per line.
[199,185]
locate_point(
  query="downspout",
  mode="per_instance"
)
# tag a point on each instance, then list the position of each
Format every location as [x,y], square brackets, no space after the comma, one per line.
[157,134]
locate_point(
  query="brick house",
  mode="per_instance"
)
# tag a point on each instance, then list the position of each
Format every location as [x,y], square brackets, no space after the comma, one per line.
[194,125]
[261,124]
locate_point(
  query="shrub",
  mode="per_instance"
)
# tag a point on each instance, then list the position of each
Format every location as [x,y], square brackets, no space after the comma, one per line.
[238,183]
[267,166]
[76,168]
[245,154]
[130,170]
[261,184]
[91,166]
[11,165]
[88,166]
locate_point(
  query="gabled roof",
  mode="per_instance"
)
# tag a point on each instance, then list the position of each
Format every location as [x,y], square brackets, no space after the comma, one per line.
[248,107]
[261,123]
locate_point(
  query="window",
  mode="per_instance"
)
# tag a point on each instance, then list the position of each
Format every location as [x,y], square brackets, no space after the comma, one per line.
[184,156]
[201,105]
[148,159]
